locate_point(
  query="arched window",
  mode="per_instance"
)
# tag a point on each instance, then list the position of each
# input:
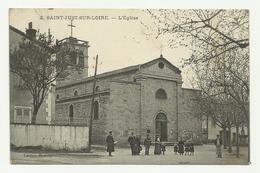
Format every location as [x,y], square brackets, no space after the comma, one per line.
[97,88]
[75,93]
[96,110]
[161,94]
[71,112]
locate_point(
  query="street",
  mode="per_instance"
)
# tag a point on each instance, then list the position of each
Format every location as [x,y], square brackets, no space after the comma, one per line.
[204,154]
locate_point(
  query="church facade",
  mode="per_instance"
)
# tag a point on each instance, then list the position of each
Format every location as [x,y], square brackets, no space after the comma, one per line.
[143,98]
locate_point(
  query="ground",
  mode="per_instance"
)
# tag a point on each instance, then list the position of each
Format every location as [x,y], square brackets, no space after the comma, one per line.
[204,154]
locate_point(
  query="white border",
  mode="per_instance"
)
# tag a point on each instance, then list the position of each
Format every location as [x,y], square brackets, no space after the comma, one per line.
[253,5]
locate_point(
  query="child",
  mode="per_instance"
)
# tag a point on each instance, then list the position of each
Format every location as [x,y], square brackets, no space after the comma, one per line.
[187,149]
[192,149]
[163,148]
[175,149]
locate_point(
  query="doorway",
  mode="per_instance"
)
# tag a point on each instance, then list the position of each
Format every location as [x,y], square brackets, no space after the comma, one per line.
[161,126]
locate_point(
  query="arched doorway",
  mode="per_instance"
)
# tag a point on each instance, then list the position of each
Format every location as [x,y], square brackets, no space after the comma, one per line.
[161,126]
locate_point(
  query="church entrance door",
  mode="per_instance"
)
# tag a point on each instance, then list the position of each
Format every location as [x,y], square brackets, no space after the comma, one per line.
[161,126]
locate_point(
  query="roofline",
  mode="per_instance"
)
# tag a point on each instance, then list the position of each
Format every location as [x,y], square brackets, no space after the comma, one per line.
[100,76]
[114,72]
[161,57]
[26,36]
[192,89]
[17,31]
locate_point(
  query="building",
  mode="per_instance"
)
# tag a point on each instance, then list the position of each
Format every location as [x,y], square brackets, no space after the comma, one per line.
[143,98]
[20,98]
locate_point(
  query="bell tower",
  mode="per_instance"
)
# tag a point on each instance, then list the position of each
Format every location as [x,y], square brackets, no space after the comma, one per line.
[78,56]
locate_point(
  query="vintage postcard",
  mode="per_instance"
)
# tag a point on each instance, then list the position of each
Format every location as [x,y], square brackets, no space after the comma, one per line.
[129,86]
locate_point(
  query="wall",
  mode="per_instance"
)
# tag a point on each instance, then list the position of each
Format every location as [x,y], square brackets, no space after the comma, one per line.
[190,123]
[123,115]
[71,138]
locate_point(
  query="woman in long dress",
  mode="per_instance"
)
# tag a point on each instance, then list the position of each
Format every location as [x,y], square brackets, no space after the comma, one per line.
[157,146]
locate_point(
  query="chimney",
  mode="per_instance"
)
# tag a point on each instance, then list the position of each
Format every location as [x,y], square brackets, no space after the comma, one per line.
[30,32]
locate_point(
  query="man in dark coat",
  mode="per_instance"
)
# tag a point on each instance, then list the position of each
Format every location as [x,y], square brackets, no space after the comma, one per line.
[218,143]
[131,141]
[147,144]
[110,143]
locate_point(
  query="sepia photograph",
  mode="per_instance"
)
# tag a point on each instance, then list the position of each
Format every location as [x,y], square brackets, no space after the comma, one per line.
[129,86]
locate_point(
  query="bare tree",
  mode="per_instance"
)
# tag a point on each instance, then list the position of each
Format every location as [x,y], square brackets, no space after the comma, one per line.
[218,39]
[38,62]
[219,42]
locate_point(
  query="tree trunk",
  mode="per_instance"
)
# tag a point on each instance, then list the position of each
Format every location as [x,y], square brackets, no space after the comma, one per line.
[225,138]
[229,140]
[207,128]
[34,115]
[237,141]
[33,121]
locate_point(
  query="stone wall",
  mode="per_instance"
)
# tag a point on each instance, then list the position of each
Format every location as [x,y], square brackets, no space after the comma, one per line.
[124,110]
[190,124]
[70,138]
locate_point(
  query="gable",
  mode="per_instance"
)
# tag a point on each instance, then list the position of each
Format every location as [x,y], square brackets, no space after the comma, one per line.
[160,66]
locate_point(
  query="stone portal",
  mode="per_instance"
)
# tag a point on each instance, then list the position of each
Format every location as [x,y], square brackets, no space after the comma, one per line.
[161,126]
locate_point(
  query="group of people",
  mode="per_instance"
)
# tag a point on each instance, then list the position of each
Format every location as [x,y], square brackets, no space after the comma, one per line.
[184,148]
[180,148]
[135,144]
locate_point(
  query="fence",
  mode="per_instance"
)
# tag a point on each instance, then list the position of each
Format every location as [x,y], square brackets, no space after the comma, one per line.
[57,137]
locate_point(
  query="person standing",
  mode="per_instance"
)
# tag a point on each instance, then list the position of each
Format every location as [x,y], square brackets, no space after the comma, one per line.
[186,148]
[110,143]
[163,147]
[157,146]
[181,147]
[218,144]
[192,149]
[175,148]
[138,145]
[131,141]
[147,144]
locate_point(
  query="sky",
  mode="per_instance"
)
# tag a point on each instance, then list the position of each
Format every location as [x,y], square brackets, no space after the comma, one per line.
[118,42]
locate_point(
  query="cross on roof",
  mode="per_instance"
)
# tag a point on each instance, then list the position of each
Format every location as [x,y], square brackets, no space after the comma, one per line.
[161,48]
[71,28]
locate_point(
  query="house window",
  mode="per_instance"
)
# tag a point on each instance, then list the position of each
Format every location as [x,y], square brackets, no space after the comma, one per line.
[96,110]
[71,113]
[75,93]
[22,114]
[57,96]
[26,111]
[161,94]
[19,111]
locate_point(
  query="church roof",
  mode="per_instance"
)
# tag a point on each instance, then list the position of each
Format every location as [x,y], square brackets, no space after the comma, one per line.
[161,58]
[140,66]
[124,70]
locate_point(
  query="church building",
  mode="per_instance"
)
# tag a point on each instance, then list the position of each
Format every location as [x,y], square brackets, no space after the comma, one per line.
[142,98]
